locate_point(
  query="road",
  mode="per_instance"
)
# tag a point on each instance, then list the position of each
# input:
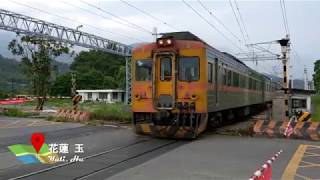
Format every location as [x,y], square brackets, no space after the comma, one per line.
[116,153]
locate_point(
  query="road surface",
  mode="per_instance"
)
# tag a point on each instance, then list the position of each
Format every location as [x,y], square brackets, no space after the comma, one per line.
[116,153]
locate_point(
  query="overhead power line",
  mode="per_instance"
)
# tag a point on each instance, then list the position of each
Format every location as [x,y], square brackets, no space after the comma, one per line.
[299,59]
[211,25]
[242,21]
[72,20]
[150,15]
[219,21]
[284,16]
[118,17]
[104,17]
[238,22]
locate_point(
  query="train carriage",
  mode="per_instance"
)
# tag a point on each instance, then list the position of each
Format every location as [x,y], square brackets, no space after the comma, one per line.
[180,83]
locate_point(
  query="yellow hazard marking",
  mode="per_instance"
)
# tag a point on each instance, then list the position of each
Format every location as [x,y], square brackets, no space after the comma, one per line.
[302,177]
[291,169]
[298,161]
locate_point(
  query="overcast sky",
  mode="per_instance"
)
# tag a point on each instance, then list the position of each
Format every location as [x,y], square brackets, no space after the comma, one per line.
[262,19]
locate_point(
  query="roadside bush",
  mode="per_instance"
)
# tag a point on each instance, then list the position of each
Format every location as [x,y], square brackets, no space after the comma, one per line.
[14,112]
[116,112]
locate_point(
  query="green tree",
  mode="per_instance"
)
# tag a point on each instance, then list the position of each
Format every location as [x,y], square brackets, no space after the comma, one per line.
[62,85]
[3,95]
[121,77]
[37,56]
[94,70]
[103,62]
[316,75]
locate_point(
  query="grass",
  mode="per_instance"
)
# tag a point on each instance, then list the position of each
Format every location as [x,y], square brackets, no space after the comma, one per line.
[316,108]
[15,112]
[109,112]
[100,111]
[49,104]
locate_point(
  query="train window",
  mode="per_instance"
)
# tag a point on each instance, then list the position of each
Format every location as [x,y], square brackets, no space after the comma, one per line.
[235,79]
[250,83]
[242,81]
[143,70]
[189,68]
[165,69]
[229,78]
[224,75]
[210,72]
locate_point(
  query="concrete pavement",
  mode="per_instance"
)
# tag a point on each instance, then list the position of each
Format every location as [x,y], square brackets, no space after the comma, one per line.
[211,156]
[222,158]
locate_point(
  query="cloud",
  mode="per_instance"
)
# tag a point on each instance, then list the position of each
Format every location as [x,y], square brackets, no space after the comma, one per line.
[263,22]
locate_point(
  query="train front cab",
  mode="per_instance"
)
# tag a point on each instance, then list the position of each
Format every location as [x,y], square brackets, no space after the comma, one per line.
[169,89]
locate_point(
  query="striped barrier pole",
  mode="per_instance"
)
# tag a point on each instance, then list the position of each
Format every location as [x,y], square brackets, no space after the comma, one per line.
[265,172]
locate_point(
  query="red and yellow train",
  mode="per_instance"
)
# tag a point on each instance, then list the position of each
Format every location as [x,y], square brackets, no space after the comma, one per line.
[180,83]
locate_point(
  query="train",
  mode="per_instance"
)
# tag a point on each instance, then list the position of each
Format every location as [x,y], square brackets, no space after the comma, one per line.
[181,85]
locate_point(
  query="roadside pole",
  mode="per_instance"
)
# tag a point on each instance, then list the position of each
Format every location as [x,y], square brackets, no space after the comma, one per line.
[285,49]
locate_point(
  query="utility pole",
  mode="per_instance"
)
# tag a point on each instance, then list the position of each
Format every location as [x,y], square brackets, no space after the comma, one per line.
[312,85]
[306,82]
[12,89]
[155,33]
[285,49]
[291,77]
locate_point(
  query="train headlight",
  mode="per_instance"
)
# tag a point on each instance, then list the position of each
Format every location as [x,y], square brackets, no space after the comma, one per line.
[137,96]
[164,42]
[194,97]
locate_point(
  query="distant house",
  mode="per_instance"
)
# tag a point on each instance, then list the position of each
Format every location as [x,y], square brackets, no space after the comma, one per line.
[104,95]
[301,99]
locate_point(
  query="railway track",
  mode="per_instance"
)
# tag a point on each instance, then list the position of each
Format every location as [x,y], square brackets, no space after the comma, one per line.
[105,160]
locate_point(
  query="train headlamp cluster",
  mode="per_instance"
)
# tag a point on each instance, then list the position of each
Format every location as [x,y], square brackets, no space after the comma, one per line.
[164,42]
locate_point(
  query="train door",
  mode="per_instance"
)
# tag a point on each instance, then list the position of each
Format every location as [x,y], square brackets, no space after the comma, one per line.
[216,79]
[164,89]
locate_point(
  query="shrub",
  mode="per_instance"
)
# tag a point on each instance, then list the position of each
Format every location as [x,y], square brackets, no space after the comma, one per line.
[117,112]
[14,112]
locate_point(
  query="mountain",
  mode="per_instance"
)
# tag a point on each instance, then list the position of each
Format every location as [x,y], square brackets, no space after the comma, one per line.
[12,77]
[10,74]
[297,83]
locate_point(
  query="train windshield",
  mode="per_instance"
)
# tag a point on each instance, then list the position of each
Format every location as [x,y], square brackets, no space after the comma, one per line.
[189,68]
[144,70]
[165,68]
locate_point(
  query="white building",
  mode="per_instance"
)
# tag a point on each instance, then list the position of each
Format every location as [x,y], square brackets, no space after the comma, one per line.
[105,95]
[301,99]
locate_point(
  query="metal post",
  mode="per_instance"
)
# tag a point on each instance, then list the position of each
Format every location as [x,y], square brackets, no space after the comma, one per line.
[155,33]
[285,48]
[12,89]
[306,82]
[128,80]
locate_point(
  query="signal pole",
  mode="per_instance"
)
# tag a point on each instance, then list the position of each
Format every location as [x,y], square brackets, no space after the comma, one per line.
[285,49]
[155,33]
[306,82]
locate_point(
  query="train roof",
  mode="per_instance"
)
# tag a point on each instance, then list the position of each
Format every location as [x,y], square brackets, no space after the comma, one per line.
[232,57]
[184,35]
